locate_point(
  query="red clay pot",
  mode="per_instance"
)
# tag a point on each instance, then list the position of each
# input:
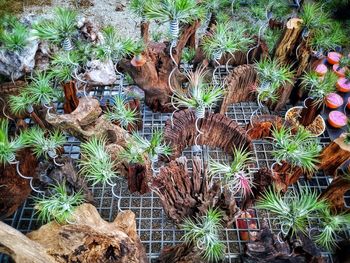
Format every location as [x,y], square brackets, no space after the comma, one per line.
[337,119]
[333,57]
[343,85]
[334,100]
[321,69]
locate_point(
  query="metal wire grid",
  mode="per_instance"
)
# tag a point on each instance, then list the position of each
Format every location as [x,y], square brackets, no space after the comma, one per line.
[154,229]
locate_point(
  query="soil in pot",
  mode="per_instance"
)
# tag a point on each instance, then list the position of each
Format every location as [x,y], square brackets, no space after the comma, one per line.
[316,127]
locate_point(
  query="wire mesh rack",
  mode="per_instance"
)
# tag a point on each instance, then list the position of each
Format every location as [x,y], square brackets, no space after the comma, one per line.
[154,228]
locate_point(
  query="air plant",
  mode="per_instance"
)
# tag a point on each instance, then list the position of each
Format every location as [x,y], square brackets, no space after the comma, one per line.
[272,75]
[175,12]
[8,147]
[298,149]
[235,175]
[313,16]
[226,38]
[293,209]
[204,234]
[13,34]
[96,164]
[122,113]
[65,65]
[44,144]
[330,225]
[58,30]
[188,54]
[59,206]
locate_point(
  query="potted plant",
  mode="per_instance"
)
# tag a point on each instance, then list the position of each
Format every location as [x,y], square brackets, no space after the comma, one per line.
[203,234]
[59,205]
[295,153]
[318,90]
[59,30]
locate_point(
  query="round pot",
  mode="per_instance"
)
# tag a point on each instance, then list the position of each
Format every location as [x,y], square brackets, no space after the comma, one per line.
[333,57]
[316,128]
[138,60]
[339,71]
[337,119]
[321,69]
[343,85]
[334,100]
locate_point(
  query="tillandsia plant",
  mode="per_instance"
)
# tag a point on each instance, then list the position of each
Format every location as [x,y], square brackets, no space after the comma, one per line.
[60,29]
[188,54]
[44,144]
[122,113]
[272,75]
[226,38]
[174,12]
[203,233]
[235,174]
[59,206]
[96,163]
[13,34]
[8,147]
[298,149]
[293,209]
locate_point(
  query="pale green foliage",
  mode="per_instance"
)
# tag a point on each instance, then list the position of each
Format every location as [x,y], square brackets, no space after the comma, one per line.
[64,64]
[20,103]
[8,147]
[313,16]
[59,206]
[188,55]
[96,163]
[40,90]
[204,233]
[298,149]
[13,34]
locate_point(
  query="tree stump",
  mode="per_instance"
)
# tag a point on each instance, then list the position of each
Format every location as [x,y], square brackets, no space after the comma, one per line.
[240,85]
[89,239]
[333,155]
[218,131]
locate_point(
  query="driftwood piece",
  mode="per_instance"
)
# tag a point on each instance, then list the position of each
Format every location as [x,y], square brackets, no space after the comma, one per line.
[288,174]
[262,125]
[240,86]
[71,100]
[309,113]
[218,131]
[181,253]
[153,76]
[269,248]
[138,178]
[89,239]
[184,195]
[14,190]
[283,94]
[333,155]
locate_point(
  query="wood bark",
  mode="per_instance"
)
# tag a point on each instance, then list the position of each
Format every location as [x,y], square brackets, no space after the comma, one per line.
[333,155]
[262,125]
[138,178]
[309,113]
[218,131]
[71,100]
[283,94]
[287,174]
[181,253]
[14,189]
[145,31]
[89,239]
[184,194]
[240,85]
[153,76]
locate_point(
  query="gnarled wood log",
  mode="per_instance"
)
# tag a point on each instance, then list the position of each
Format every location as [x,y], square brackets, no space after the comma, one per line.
[181,253]
[240,85]
[71,100]
[89,239]
[262,125]
[333,155]
[153,76]
[309,113]
[288,174]
[218,131]
[187,195]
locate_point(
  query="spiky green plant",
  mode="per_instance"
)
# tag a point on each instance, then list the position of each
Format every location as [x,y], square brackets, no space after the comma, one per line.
[313,16]
[204,234]
[188,55]
[42,143]
[215,5]
[59,28]
[298,149]
[114,47]
[96,164]
[293,209]
[40,89]
[344,62]
[272,75]
[138,7]
[13,35]
[20,103]
[8,147]
[331,224]
[226,38]
[199,93]
[234,174]
[318,88]
[59,206]
[64,64]
[122,113]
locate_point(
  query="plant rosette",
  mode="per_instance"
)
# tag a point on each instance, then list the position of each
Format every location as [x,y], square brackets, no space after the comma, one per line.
[337,119]
[333,57]
[333,100]
[343,85]
[321,69]
[339,70]
[316,128]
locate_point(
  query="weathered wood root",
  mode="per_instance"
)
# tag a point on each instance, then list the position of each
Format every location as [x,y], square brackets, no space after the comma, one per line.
[288,174]
[71,100]
[181,253]
[262,125]
[240,86]
[14,190]
[218,131]
[138,178]
[89,239]
[184,195]
[268,248]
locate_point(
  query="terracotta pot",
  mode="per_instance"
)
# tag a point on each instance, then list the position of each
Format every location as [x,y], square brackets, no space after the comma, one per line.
[337,119]
[138,61]
[333,57]
[321,69]
[343,85]
[339,71]
[333,101]
[247,223]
